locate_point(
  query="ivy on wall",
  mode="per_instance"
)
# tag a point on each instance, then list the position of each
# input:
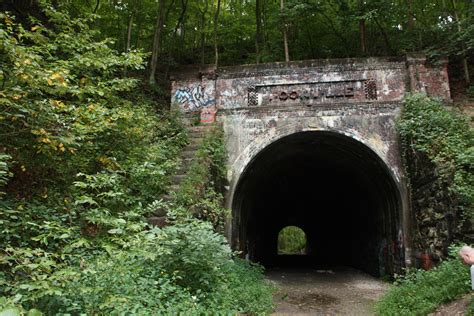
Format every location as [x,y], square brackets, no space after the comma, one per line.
[438,146]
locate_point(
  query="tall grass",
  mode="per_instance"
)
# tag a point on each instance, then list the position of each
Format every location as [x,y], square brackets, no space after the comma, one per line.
[420,292]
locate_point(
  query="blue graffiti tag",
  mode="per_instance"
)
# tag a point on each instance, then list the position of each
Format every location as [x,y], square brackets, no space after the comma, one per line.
[193,98]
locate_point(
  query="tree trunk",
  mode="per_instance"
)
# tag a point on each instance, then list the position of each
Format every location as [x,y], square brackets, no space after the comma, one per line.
[203,32]
[178,45]
[138,22]
[465,63]
[259,34]
[96,6]
[129,33]
[363,49]
[285,33]
[216,38]
[330,23]
[180,23]
[157,42]
[388,47]
[127,42]
[138,34]
[411,16]
[362,32]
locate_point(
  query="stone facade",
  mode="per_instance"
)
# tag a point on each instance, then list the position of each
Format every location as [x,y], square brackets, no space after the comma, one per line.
[357,98]
[308,83]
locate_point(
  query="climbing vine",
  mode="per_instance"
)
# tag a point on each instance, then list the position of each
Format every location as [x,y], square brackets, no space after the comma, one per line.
[439,150]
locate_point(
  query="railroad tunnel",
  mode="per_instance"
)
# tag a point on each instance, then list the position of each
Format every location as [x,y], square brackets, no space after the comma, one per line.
[333,187]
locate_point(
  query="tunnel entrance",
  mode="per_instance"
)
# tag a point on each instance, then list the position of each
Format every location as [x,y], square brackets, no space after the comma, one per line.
[334,188]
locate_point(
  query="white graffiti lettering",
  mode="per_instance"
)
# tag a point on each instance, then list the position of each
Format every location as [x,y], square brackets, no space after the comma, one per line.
[193,98]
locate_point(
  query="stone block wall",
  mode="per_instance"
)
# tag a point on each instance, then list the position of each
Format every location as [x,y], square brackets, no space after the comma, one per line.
[355,98]
[307,83]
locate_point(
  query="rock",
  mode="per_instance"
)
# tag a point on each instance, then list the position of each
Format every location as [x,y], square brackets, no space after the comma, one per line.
[158,221]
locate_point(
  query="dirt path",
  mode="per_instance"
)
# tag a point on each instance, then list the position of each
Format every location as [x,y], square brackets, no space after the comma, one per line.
[341,291]
[455,308]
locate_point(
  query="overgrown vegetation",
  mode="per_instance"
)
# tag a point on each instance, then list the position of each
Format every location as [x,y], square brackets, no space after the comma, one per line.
[291,240]
[183,268]
[82,156]
[200,192]
[470,308]
[240,32]
[420,292]
[439,151]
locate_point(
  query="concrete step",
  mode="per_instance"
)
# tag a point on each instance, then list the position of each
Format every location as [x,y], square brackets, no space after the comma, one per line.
[167,198]
[195,139]
[187,154]
[183,167]
[173,188]
[196,135]
[192,146]
[198,131]
[178,178]
[185,162]
[195,128]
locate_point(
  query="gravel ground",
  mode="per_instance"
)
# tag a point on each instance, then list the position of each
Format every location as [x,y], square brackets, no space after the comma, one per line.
[338,291]
[455,308]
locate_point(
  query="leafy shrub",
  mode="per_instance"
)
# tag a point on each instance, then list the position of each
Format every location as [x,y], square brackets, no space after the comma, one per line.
[470,308]
[82,156]
[148,277]
[205,179]
[439,151]
[420,292]
[427,126]
[4,171]
[470,92]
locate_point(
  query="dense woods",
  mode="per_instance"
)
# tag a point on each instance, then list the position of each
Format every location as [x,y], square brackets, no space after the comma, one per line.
[223,32]
[85,157]
[88,145]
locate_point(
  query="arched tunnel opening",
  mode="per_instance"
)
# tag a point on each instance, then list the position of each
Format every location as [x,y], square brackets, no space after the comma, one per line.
[333,187]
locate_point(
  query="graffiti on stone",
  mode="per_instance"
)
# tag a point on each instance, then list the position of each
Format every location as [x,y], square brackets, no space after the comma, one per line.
[193,98]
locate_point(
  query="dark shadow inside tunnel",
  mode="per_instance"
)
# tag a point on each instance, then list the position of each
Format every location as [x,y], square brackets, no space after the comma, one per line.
[334,188]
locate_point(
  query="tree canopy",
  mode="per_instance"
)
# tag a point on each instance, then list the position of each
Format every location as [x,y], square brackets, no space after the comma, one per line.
[247,31]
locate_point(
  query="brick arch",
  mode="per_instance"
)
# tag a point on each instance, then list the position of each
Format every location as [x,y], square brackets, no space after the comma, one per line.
[272,135]
[398,232]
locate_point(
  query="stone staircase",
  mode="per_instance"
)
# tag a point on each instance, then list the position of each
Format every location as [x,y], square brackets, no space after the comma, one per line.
[195,136]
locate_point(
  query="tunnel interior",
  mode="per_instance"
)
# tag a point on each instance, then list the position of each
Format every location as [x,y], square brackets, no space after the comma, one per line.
[334,188]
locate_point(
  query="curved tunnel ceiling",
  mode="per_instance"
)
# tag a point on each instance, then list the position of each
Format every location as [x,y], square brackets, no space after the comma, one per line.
[333,187]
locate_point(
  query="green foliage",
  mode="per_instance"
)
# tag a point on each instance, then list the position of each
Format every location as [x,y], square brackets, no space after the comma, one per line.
[8,308]
[205,178]
[5,174]
[420,292]
[447,140]
[470,92]
[316,29]
[291,240]
[470,308]
[148,277]
[83,157]
[63,109]
[455,36]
